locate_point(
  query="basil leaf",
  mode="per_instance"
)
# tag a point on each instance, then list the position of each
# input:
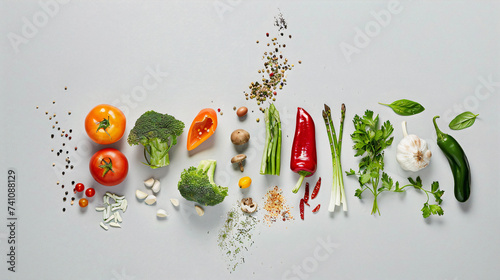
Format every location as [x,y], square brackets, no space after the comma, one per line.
[463,121]
[405,107]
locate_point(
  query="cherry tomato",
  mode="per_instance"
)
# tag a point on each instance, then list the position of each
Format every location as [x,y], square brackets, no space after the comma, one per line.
[83,202]
[105,124]
[90,192]
[79,187]
[109,167]
[244,182]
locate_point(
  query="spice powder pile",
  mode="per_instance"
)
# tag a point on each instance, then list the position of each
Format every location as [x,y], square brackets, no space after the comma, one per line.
[276,207]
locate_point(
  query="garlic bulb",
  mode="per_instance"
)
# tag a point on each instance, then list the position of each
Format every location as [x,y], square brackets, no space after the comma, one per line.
[412,154]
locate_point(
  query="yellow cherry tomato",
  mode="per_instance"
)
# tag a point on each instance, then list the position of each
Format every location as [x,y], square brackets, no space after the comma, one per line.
[245,182]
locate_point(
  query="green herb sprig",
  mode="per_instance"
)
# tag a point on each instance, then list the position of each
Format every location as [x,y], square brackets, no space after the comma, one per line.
[429,209]
[370,140]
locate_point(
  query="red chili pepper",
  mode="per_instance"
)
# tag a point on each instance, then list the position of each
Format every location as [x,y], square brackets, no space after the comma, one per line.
[301,206]
[316,189]
[303,159]
[306,194]
[317,208]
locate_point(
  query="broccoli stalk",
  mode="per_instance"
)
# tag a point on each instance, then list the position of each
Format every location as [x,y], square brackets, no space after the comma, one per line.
[158,153]
[158,134]
[197,184]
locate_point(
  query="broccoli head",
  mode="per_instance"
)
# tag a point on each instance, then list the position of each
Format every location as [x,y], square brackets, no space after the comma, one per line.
[157,133]
[197,184]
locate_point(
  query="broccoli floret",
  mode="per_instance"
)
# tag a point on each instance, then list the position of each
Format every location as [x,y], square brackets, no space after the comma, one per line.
[157,133]
[197,184]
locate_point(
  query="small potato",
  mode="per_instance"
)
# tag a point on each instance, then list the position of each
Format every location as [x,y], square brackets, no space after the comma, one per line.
[241,111]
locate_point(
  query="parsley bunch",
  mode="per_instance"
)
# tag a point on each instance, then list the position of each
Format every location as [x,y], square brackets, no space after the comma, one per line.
[370,140]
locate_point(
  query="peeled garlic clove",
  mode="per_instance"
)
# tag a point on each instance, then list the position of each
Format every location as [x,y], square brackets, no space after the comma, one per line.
[140,194]
[199,210]
[161,213]
[150,200]
[149,182]
[412,152]
[156,187]
[175,202]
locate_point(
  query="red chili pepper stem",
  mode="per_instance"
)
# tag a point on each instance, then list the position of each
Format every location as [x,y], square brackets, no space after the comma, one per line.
[302,174]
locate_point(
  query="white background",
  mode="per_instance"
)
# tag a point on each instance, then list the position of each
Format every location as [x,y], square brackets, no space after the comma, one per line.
[439,53]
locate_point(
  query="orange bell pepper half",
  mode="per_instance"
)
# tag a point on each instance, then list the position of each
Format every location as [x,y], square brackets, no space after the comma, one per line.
[202,127]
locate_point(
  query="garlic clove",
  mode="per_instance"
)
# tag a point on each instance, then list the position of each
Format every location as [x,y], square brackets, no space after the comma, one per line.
[156,187]
[150,200]
[140,194]
[199,210]
[175,202]
[161,213]
[149,182]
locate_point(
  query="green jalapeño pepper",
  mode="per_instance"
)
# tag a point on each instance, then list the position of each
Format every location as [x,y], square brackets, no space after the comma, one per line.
[458,163]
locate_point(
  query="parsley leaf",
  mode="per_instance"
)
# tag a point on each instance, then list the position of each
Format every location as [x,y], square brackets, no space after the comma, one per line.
[429,209]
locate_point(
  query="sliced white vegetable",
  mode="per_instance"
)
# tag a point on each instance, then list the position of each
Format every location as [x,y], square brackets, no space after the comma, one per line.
[103,226]
[161,213]
[149,182]
[109,219]
[110,214]
[174,201]
[124,205]
[140,194]
[113,224]
[118,217]
[150,200]
[156,187]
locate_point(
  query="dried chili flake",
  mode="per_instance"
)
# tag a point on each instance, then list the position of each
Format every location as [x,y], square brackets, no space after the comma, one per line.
[316,209]
[301,207]
[306,193]
[276,207]
[316,188]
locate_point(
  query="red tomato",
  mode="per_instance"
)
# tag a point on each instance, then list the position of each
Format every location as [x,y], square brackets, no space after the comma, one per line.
[109,167]
[90,192]
[79,187]
[83,202]
[105,124]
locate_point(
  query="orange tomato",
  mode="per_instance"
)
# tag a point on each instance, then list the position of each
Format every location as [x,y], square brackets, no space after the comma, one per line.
[244,182]
[202,127]
[105,124]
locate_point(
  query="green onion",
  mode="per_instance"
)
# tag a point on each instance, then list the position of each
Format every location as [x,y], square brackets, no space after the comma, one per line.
[338,194]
